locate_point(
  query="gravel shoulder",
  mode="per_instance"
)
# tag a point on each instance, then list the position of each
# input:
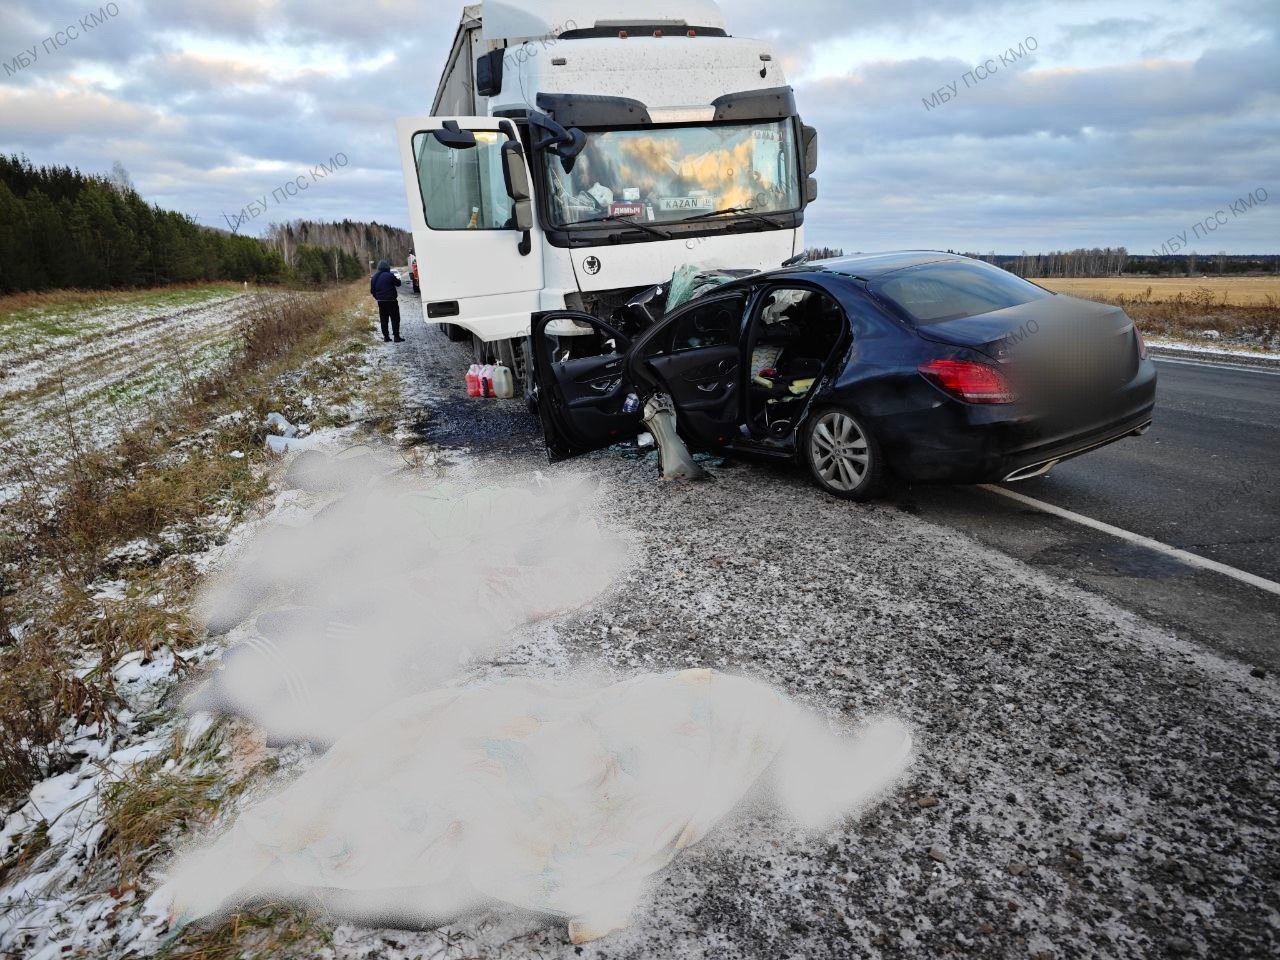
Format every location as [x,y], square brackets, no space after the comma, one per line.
[1086,784]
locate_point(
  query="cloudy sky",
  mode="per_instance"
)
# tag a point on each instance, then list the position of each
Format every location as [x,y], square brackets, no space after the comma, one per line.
[1129,124]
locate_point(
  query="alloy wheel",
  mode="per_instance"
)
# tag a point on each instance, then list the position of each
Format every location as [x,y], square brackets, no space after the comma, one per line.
[839,451]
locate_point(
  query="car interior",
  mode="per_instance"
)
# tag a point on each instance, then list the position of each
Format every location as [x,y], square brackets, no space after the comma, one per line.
[794,336]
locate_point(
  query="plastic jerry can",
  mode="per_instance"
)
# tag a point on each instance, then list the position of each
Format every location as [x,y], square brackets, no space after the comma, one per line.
[486,380]
[474,388]
[504,384]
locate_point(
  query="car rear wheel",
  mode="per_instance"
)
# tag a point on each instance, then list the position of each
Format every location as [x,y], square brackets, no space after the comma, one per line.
[843,455]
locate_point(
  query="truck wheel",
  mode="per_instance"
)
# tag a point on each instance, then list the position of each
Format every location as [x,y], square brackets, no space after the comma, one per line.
[506,350]
[456,333]
[526,378]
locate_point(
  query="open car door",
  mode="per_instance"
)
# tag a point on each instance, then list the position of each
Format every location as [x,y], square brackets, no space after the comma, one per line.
[696,358]
[471,212]
[585,397]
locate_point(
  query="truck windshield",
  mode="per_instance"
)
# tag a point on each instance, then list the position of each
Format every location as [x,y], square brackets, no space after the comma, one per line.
[662,175]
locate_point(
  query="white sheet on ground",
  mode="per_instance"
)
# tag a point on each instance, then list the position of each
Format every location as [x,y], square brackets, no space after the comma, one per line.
[388,593]
[551,798]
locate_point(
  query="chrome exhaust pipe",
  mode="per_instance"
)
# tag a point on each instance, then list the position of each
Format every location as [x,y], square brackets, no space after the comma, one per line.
[1030,473]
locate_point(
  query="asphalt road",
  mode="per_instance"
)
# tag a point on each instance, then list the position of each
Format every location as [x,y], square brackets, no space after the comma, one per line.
[1202,480]
[1206,478]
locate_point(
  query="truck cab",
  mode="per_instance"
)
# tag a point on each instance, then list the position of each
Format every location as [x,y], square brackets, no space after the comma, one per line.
[580,152]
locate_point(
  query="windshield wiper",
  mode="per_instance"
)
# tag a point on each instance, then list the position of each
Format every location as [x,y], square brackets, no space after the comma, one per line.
[735,211]
[610,218]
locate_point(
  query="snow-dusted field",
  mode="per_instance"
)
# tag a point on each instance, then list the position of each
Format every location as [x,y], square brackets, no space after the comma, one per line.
[93,372]
[1085,784]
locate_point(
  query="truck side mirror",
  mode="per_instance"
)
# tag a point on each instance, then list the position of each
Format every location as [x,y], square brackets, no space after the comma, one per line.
[811,190]
[810,137]
[565,144]
[516,173]
[454,137]
[489,73]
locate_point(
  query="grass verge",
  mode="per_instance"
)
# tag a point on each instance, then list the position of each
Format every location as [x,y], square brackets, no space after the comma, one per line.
[127,514]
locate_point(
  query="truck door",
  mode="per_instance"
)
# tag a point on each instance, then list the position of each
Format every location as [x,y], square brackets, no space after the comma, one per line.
[470,209]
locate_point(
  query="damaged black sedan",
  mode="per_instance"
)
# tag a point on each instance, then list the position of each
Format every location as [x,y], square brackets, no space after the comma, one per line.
[926,367]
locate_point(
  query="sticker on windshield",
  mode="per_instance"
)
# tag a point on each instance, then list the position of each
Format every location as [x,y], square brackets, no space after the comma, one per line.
[631,210]
[691,204]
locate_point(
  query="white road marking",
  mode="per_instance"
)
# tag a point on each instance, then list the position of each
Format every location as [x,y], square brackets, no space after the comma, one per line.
[1212,364]
[1190,559]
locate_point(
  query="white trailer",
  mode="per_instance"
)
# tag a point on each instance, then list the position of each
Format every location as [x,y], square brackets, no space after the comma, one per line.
[579,152]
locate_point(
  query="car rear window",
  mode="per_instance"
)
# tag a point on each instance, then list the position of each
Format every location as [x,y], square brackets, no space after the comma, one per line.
[953,290]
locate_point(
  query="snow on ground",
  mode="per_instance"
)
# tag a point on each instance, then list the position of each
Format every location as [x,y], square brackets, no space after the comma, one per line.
[1212,351]
[62,900]
[1085,784]
[130,356]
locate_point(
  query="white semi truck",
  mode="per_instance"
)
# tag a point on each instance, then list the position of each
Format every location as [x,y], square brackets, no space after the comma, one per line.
[579,152]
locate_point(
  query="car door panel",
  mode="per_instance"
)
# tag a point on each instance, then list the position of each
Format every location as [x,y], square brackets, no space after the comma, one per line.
[704,381]
[704,385]
[582,401]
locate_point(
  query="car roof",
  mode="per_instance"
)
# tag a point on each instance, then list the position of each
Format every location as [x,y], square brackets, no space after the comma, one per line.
[872,266]
[865,267]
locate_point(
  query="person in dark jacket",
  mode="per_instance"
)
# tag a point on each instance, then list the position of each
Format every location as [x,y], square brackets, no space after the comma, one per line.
[383,288]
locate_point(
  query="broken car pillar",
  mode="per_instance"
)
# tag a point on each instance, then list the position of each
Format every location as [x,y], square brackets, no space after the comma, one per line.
[673,456]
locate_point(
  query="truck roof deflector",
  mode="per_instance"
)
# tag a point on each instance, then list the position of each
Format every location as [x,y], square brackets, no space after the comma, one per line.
[776,103]
[588,110]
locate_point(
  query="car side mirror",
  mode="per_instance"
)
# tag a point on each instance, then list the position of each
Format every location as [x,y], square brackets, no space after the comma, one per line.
[516,173]
[454,137]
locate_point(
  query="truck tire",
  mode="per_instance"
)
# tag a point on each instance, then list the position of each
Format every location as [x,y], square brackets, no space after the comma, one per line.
[456,333]
[526,379]
[507,357]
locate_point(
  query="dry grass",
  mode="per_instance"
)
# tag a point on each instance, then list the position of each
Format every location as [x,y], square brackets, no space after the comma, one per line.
[28,849]
[1239,311]
[158,801]
[271,930]
[144,812]
[163,476]
[1221,291]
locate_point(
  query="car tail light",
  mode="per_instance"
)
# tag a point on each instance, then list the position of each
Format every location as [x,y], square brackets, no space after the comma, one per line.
[1142,342]
[970,382]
